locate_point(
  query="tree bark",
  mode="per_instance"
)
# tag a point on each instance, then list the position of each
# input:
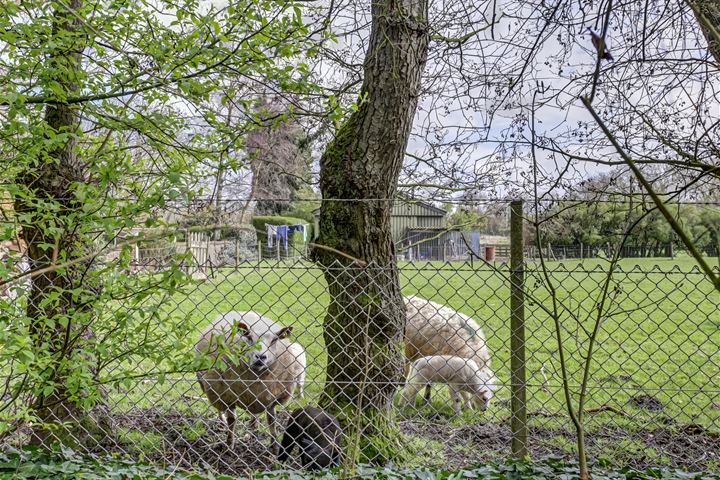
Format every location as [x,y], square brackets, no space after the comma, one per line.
[58,318]
[364,325]
[707,13]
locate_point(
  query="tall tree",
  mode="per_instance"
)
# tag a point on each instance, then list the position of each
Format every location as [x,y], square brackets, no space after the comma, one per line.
[278,160]
[707,13]
[359,171]
[106,114]
[52,178]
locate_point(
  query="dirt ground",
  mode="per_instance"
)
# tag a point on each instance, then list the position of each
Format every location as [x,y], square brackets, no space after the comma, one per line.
[191,442]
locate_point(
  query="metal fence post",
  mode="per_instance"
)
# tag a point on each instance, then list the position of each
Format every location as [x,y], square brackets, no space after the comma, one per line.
[517,333]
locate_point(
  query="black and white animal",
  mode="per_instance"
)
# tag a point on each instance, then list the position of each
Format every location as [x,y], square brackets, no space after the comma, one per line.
[264,376]
[317,435]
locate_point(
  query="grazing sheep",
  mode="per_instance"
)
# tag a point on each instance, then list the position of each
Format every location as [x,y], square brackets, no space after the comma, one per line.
[317,434]
[434,329]
[461,375]
[259,375]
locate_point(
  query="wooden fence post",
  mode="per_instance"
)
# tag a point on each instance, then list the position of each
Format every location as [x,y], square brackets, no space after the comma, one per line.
[188,251]
[237,253]
[518,405]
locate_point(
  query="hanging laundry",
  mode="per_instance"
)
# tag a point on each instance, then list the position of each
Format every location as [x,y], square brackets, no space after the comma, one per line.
[282,235]
[271,231]
[298,228]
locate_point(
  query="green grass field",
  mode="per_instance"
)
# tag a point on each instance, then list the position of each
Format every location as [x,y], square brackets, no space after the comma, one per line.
[659,342]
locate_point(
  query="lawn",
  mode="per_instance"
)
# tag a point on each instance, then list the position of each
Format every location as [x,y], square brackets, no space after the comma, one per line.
[656,358]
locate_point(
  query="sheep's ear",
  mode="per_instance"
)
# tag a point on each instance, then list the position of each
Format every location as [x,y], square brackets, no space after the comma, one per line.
[285,332]
[242,328]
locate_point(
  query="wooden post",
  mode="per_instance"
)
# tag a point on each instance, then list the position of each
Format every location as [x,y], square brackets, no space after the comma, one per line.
[237,253]
[518,405]
[188,250]
[259,250]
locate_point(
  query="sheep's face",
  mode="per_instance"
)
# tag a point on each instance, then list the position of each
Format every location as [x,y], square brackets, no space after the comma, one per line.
[262,355]
[483,391]
[481,399]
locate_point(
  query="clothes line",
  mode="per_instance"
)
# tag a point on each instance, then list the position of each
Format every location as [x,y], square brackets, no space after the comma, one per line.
[282,233]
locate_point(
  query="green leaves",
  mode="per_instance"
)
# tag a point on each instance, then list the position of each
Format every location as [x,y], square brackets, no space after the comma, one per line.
[109,113]
[66,464]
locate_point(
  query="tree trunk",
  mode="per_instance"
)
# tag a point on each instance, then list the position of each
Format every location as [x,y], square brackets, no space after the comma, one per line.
[364,325]
[59,318]
[707,13]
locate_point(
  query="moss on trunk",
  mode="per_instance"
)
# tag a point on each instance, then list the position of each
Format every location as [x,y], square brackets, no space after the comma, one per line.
[358,178]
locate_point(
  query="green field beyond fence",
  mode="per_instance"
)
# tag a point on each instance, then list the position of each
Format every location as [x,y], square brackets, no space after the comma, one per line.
[655,372]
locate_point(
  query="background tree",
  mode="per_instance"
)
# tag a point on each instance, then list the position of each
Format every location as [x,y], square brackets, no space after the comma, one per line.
[467,219]
[279,159]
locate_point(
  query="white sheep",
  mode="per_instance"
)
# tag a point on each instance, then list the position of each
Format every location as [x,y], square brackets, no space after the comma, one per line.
[258,371]
[434,329]
[299,352]
[461,375]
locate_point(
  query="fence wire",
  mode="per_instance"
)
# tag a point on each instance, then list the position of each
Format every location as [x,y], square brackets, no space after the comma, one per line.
[184,345]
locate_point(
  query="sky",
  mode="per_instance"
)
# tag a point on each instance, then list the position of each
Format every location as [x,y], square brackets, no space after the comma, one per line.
[474,129]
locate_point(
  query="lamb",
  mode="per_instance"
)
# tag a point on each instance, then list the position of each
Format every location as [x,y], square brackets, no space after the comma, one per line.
[316,434]
[258,369]
[434,329]
[299,352]
[461,375]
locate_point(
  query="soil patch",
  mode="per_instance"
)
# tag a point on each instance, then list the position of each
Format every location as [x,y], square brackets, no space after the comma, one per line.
[172,438]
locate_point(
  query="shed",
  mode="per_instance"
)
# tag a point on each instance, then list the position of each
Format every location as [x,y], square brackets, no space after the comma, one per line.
[433,243]
[406,214]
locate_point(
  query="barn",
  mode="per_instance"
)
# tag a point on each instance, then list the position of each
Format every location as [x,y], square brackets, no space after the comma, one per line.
[420,232]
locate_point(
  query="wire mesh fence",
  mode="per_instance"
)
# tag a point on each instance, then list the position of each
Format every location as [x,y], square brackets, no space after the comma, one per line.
[174,355]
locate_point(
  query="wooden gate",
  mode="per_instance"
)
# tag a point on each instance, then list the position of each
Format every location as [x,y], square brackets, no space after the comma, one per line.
[199,261]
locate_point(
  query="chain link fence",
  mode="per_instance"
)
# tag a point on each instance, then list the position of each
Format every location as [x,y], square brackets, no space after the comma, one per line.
[173,356]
